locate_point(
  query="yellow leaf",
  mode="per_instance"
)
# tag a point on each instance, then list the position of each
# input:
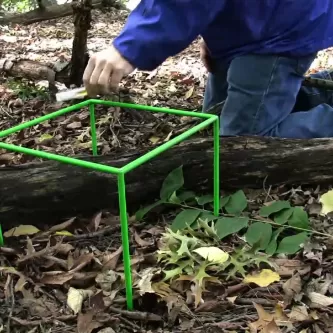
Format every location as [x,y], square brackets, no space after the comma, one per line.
[76,297]
[21,230]
[45,137]
[326,201]
[263,279]
[212,254]
[63,233]
[154,139]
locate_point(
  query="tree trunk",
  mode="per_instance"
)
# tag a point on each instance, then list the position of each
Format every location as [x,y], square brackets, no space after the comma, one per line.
[50,191]
[51,12]
[82,21]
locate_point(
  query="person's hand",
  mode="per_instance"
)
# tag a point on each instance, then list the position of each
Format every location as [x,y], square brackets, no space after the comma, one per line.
[205,56]
[104,71]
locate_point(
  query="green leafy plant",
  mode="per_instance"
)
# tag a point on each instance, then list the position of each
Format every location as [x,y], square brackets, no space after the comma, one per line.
[192,254]
[26,90]
[283,228]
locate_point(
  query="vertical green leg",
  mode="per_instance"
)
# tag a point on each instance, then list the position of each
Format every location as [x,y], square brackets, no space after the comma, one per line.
[1,237]
[216,133]
[125,240]
[93,128]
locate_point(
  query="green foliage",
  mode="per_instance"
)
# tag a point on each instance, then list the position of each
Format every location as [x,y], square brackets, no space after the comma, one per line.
[262,236]
[191,253]
[275,207]
[236,203]
[185,219]
[291,244]
[173,182]
[26,90]
[226,226]
[18,6]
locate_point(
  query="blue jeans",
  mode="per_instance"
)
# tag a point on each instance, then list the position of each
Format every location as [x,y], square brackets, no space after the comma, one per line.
[263,96]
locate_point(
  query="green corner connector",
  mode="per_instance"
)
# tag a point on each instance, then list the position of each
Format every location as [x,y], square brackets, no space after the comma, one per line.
[208,119]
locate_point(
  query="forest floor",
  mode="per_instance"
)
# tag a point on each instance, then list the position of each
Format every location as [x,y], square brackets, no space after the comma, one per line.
[70,278]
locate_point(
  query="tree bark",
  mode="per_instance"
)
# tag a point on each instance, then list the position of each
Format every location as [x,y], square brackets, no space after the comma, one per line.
[51,12]
[50,191]
[82,21]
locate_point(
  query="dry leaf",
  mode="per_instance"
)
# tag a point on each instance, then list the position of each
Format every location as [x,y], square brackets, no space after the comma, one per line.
[58,278]
[299,313]
[107,330]
[263,279]
[21,230]
[76,297]
[212,254]
[107,279]
[154,139]
[64,248]
[232,299]
[145,284]
[63,233]
[74,125]
[265,318]
[189,93]
[140,241]
[110,261]
[326,201]
[318,300]
[86,322]
[63,225]
[271,328]
[96,221]
[292,288]
[287,267]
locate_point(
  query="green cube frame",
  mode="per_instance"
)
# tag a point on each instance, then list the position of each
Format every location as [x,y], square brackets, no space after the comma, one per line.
[208,119]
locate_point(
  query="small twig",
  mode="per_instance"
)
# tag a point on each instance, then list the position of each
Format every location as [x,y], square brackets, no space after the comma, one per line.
[129,323]
[250,301]
[102,232]
[8,250]
[142,316]
[12,305]
[47,251]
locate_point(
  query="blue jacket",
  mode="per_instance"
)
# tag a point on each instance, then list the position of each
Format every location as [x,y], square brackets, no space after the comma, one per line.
[158,29]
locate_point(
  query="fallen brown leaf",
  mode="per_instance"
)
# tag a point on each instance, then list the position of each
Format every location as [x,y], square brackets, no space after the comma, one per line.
[63,225]
[299,313]
[110,261]
[86,322]
[142,242]
[318,300]
[292,288]
[264,318]
[271,328]
[56,277]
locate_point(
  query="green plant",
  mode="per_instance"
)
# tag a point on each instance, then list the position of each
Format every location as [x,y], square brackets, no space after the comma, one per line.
[281,229]
[192,254]
[26,90]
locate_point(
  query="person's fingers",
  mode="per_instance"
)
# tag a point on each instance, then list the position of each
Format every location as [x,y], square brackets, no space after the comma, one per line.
[115,79]
[87,74]
[104,78]
[93,84]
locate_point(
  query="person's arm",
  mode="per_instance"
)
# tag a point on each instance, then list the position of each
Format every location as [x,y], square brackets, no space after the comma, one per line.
[158,29]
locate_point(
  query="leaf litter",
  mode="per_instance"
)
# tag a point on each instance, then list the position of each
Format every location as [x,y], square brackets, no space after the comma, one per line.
[70,277]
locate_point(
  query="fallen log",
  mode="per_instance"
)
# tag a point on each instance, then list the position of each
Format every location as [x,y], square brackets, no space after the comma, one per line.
[52,12]
[36,71]
[48,191]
